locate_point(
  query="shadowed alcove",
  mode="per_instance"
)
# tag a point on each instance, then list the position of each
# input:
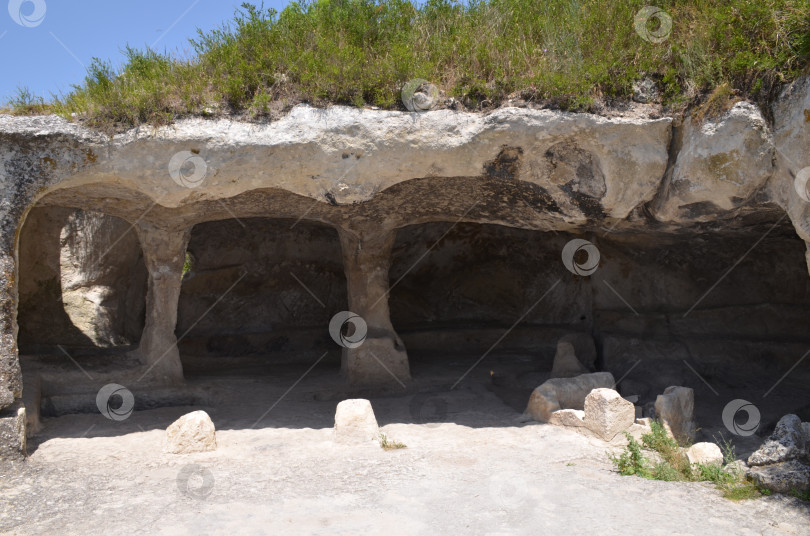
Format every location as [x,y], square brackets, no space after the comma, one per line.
[258,293]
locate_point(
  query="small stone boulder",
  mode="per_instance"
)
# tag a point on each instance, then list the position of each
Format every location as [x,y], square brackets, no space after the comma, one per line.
[676,410]
[565,393]
[566,363]
[782,477]
[786,443]
[193,432]
[355,422]
[705,453]
[607,413]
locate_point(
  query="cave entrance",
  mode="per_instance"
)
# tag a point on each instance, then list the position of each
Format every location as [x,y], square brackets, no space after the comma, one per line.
[82,292]
[466,291]
[290,283]
[723,312]
[698,309]
[82,284]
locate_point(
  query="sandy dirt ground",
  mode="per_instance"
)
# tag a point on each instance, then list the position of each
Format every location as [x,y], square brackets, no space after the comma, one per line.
[472,466]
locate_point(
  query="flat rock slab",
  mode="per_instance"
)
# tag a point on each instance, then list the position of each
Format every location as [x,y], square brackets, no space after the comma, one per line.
[355,422]
[573,418]
[193,432]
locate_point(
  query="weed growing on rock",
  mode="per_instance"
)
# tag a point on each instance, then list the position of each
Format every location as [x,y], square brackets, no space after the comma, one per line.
[667,461]
[388,444]
[631,461]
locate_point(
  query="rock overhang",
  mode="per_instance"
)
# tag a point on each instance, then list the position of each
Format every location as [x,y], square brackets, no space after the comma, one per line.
[568,170]
[343,156]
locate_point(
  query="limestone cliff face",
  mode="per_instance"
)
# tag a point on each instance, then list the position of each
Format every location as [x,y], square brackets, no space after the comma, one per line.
[367,174]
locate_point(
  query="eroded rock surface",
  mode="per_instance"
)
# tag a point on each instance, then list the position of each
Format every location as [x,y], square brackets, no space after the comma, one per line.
[721,163]
[782,477]
[786,443]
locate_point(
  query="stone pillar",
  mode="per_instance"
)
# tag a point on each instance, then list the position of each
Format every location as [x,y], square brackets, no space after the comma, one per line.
[164,252]
[381,360]
[12,412]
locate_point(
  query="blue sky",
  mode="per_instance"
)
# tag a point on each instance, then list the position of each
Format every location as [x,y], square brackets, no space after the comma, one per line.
[47,53]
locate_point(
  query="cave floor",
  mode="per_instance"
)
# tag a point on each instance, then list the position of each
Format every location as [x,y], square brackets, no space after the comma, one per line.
[472,466]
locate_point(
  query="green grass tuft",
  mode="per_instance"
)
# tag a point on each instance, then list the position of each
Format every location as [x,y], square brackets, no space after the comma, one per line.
[388,444]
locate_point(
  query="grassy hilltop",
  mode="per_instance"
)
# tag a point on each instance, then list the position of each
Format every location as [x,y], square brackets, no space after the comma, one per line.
[563,53]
